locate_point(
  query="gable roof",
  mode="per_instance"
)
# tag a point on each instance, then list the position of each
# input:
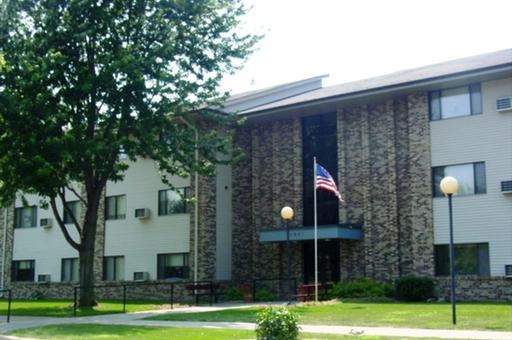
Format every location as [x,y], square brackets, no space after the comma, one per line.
[500,61]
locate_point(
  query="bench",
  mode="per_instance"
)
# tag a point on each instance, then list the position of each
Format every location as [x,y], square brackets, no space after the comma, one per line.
[204,288]
[306,292]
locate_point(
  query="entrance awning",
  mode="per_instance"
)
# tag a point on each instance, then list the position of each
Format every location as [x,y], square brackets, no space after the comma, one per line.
[338,231]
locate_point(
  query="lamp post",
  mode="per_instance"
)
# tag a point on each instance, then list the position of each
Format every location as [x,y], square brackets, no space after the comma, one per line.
[449,186]
[287,215]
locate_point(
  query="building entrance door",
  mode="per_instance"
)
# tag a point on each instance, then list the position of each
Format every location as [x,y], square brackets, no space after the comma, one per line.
[328,261]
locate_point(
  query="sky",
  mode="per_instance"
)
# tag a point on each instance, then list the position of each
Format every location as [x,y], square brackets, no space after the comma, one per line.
[356,39]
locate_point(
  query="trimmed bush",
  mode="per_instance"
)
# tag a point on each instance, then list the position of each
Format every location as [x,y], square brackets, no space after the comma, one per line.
[263,294]
[412,288]
[233,294]
[277,323]
[360,288]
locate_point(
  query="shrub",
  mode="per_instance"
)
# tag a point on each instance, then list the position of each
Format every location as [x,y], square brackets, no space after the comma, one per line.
[360,288]
[277,323]
[412,288]
[263,294]
[233,294]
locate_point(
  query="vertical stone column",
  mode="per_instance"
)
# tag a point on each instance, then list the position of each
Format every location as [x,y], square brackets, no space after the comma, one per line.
[207,229]
[242,206]
[7,238]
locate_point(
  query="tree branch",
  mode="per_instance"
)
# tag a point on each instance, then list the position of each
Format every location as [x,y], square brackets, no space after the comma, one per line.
[63,228]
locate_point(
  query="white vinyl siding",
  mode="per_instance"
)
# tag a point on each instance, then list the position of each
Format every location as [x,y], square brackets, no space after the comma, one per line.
[487,138]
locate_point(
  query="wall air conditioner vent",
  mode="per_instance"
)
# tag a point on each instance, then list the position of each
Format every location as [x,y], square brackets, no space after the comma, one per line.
[506,187]
[142,213]
[508,270]
[140,276]
[43,278]
[45,222]
[504,104]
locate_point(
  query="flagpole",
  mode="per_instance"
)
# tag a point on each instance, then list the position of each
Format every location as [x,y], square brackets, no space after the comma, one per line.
[316,235]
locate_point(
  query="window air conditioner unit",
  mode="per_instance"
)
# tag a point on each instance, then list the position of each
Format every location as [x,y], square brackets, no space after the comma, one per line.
[142,213]
[504,104]
[508,270]
[140,276]
[506,187]
[43,278]
[45,222]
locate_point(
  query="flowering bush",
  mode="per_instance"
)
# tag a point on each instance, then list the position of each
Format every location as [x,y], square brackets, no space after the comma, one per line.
[277,323]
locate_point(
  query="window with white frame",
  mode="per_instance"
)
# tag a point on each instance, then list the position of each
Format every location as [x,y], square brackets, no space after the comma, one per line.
[455,102]
[25,217]
[173,201]
[113,268]
[74,206]
[22,270]
[115,207]
[471,178]
[470,259]
[172,266]
[70,270]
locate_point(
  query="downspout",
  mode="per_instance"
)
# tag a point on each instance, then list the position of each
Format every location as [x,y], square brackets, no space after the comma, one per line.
[4,251]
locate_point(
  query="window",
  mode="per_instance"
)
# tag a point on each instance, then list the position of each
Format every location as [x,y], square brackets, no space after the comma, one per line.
[70,270]
[319,133]
[113,268]
[471,178]
[172,266]
[173,201]
[26,217]
[23,270]
[455,102]
[75,208]
[470,259]
[115,207]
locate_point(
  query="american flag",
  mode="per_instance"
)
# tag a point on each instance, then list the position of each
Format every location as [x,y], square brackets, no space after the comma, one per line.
[325,181]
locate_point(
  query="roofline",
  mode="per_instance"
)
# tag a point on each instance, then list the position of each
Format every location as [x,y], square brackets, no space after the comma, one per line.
[383,89]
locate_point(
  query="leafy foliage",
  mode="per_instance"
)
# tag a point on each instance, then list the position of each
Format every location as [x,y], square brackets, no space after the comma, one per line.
[263,294]
[81,81]
[412,288]
[277,323]
[233,294]
[360,288]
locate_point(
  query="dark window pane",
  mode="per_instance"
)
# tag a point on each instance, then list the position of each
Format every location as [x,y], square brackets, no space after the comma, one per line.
[319,134]
[470,259]
[435,105]
[476,99]
[480,181]
[437,176]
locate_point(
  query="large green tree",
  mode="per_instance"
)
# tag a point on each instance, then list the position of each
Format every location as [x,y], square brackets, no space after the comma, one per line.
[81,80]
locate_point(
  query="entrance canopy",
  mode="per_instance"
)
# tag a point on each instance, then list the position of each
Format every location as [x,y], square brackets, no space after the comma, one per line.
[337,231]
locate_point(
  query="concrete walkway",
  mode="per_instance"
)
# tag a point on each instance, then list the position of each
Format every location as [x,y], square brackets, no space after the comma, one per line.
[137,319]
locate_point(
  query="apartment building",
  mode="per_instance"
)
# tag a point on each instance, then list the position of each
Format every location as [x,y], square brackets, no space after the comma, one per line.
[387,141]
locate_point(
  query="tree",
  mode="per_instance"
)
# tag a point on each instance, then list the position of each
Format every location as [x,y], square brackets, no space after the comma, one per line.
[82,80]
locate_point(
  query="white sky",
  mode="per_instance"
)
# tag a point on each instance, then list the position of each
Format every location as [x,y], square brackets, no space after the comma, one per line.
[357,39]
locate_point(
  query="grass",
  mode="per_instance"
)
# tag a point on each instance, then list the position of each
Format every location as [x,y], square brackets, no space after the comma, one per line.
[479,316]
[64,308]
[96,332]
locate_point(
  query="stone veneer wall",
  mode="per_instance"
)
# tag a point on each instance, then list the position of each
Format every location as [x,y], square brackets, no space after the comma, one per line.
[206,230]
[9,242]
[384,167]
[384,162]
[267,179]
[476,288]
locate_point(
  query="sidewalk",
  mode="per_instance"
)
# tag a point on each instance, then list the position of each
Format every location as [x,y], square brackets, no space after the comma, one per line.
[136,319]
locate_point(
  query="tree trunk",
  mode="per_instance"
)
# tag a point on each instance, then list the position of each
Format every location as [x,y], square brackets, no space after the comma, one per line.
[86,253]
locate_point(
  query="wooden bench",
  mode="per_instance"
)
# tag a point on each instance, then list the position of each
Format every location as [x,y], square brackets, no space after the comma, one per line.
[204,288]
[306,292]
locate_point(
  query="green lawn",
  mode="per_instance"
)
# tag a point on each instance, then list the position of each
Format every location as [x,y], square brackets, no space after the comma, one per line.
[64,308]
[482,316]
[97,332]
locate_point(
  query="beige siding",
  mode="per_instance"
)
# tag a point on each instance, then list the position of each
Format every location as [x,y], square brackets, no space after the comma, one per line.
[487,137]
[141,240]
